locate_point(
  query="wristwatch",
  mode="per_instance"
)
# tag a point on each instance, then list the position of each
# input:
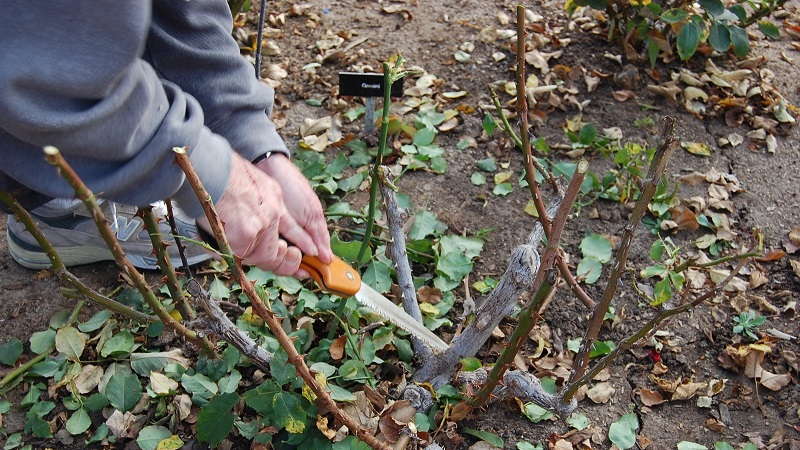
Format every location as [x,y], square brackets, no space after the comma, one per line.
[262,157]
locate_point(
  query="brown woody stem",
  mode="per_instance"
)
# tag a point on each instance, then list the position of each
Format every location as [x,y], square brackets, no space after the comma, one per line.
[262,310]
[654,174]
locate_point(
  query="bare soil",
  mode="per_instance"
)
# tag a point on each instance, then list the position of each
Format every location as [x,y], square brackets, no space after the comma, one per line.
[427,35]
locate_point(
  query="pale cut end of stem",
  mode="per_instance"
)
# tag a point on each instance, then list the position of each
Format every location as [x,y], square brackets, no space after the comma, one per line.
[179,150]
[49,150]
[583,166]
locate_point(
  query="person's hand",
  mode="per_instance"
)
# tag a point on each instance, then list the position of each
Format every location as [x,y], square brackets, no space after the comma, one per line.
[256,221]
[301,201]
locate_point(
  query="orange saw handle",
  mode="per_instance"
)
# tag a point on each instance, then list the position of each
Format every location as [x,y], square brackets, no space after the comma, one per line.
[337,277]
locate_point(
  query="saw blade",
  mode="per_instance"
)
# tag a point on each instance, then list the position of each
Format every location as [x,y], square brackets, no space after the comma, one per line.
[393,313]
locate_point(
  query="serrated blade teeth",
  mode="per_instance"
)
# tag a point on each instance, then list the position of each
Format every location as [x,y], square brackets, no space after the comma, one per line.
[373,300]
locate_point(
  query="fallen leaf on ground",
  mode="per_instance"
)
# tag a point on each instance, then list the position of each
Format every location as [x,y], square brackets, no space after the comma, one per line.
[601,392]
[651,398]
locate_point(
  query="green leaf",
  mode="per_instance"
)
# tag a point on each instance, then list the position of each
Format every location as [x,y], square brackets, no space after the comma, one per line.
[722,446]
[601,348]
[289,412]
[688,40]
[686,445]
[354,113]
[280,370]
[200,386]
[525,445]
[260,398]
[150,436]
[340,394]
[348,251]
[352,183]
[623,431]
[597,246]
[215,419]
[119,345]
[478,179]
[424,136]
[95,322]
[741,43]
[42,340]
[487,165]
[230,383]
[10,351]
[60,318]
[662,292]
[426,224]
[589,269]
[470,364]
[739,11]
[713,7]
[588,134]
[377,276]
[78,422]
[70,342]
[536,413]
[454,262]
[657,250]
[123,391]
[653,271]
[719,37]
[485,436]
[438,164]
[578,421]
[13,441]
[218,289]
[503,189]
[489,124]
[674,15]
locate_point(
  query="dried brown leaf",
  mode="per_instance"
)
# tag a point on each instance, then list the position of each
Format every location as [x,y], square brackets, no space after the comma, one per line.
[795,267]
[688,390]
[601,392]
[623,96]
[337,347]
[651,398]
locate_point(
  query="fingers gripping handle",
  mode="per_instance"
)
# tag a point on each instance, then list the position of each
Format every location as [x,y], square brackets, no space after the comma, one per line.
[337,277]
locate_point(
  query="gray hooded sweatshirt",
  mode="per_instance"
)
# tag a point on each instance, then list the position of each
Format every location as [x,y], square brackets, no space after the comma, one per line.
[115,85]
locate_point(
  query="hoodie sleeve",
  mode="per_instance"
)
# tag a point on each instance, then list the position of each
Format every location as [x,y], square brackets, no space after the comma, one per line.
[72,76]
[190,43]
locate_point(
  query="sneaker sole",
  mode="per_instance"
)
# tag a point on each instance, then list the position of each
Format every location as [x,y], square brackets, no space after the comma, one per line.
[32,257]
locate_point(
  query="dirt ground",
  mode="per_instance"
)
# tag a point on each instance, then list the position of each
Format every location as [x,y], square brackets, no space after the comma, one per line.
[428,34]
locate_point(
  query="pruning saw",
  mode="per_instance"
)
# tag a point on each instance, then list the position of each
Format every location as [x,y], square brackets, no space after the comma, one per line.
[341,279]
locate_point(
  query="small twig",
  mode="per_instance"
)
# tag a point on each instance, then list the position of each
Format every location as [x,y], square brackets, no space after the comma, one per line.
[655,172]
[65,275]
[54,157]
[262,12]
[396,250]
[522,112]
[178,241]
[272,321]
[24,368]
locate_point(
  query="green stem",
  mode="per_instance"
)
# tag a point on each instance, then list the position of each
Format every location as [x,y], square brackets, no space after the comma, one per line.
[165,264]
[389,77]
[24,368]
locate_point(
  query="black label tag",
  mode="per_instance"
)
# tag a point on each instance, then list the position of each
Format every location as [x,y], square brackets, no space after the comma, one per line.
[366,85]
